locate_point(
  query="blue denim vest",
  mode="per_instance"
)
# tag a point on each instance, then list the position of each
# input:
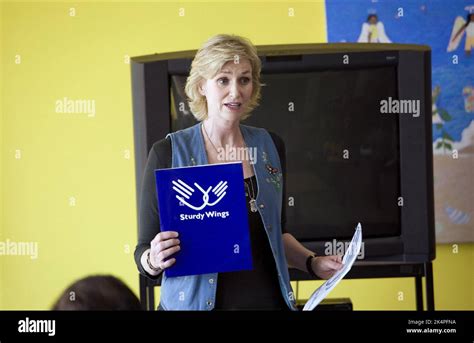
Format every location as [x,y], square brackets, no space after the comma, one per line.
[198,292]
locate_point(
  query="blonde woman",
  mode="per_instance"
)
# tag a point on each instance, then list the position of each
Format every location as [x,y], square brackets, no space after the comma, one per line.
[223,88]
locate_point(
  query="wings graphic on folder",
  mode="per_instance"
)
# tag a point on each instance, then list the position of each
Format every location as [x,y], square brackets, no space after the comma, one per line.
[186,191]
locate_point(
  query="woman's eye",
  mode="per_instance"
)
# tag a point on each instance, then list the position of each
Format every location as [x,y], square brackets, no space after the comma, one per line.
[225,80]
[245,80]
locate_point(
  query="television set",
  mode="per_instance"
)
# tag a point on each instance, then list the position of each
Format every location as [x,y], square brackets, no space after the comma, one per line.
[349,156]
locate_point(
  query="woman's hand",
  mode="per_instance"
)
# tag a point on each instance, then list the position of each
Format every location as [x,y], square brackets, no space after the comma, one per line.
[326,266]
[162,247]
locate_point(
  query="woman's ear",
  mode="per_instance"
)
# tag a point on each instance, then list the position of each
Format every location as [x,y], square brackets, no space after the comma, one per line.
[202,88]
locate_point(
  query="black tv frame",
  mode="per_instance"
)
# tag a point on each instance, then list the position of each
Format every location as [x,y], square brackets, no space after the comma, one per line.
[151,117]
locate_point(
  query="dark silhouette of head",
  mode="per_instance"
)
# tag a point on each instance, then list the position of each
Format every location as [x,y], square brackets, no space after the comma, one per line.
[372,19]
[98,293]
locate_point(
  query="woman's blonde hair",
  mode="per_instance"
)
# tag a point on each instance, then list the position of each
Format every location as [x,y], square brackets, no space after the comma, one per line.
[208,62]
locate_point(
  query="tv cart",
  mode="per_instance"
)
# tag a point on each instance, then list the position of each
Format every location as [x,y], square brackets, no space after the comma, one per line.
[360,270]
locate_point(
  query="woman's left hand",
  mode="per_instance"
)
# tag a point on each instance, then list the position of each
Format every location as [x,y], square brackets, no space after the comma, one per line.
[326,266]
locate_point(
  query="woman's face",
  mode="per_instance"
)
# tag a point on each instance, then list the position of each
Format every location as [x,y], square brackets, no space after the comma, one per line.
[229,92]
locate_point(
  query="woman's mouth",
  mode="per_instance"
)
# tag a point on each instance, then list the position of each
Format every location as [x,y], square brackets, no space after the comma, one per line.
[233,106]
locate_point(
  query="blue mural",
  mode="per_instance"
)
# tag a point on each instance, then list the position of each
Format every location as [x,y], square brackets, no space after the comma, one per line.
[433,23]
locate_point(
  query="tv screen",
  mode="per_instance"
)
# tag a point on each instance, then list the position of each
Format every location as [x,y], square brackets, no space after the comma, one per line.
[343,158]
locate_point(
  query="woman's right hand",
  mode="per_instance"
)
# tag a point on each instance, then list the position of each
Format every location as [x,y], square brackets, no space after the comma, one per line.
[162,247]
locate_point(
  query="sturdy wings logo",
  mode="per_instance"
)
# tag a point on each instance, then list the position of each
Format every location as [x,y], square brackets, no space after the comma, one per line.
[186,192]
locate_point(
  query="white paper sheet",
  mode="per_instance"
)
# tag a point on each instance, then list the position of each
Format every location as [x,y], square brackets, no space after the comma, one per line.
[348,260]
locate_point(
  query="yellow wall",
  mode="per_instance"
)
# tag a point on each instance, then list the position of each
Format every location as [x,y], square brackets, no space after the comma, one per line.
[66,156]
[1,151]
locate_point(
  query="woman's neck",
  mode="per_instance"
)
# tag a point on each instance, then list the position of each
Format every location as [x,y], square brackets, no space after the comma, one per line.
[223,133]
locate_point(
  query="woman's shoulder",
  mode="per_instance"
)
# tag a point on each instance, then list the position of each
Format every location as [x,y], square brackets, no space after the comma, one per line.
[162,150]
[277,140]
[258,130]
[162,146]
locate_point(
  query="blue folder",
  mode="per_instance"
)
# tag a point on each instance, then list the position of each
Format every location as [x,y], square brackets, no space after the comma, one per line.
[206,205]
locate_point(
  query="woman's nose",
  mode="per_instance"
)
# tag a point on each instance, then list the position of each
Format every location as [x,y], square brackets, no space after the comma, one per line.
[234,89]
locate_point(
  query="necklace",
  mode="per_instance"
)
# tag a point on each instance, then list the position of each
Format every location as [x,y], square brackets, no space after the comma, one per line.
[252,201]
[209,138]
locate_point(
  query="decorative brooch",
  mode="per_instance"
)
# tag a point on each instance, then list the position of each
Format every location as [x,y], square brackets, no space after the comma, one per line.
[275,175]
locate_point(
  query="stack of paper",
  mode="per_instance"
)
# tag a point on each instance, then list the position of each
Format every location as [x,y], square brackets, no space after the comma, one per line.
[348,260]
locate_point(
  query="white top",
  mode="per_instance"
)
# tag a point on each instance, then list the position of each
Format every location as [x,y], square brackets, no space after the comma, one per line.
[470,29]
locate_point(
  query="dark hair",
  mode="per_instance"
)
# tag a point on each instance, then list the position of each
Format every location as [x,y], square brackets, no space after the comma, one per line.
[372,16]
[469,17]
[96,293]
